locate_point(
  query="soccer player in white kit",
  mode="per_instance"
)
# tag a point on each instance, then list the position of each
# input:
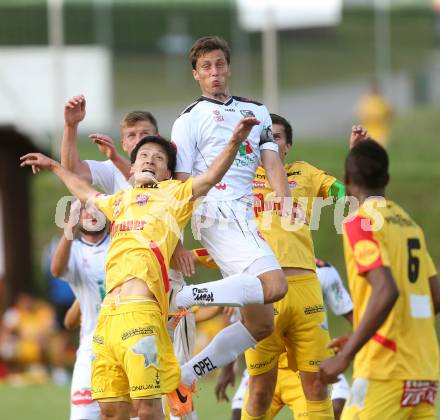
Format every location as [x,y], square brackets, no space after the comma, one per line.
[81,262]
[224,221]
[338,299]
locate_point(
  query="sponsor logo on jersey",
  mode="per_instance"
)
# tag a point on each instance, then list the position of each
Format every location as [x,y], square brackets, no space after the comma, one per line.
[217,115]
[294,173]
[247,113]
[117,207]
[204,366]
[82,397]
[314,362]
[126,226]
[221,186]
[144,387]
[258,184]
[314,309]
[202,295]
[230,110]
[366,252]
[142,199]
[245,148]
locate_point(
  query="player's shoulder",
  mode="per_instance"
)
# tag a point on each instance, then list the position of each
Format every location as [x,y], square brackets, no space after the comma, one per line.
[189,108]
[298,167]
[247,100]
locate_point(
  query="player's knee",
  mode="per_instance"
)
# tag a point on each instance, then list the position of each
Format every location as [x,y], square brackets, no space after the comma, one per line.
[108,411]
[261,329]
[338,406]
[314,389]
[274,286]
[260,400]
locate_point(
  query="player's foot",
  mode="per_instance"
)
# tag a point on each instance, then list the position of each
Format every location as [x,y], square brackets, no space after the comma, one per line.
[180,400]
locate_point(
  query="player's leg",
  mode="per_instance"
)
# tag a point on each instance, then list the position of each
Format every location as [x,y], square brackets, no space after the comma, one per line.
[81,404]
[339,395]
[149,409]
[239,397]
[109,382]
[309,338]
[290,389]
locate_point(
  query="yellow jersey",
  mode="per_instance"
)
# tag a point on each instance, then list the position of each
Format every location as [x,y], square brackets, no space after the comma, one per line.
[291,243]
[405,347]
[145,225]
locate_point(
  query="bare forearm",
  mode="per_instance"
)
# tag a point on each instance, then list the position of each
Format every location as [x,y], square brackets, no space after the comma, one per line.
[61,257]
[74,183]
[276,174]
[69,153]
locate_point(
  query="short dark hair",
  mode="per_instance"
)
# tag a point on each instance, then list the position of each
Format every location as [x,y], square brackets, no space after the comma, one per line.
[169,148]
[134,117]
[207,44]
[367,165]
[278,119]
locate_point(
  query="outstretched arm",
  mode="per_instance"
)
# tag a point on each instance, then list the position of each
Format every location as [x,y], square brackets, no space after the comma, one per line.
[74,113]
[74,183]
[214,174]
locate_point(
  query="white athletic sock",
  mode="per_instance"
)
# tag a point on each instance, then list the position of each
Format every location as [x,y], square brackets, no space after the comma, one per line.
[236,290]
[225,347]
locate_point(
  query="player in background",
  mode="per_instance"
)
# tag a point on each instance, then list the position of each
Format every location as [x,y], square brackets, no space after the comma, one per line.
[134,358]
[81,262]
[224,222]
[395,294]
[288,390]
[110,176]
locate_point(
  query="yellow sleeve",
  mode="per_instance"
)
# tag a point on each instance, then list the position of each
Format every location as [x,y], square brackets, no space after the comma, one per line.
[105,203]
[181,201]
[322,182]
[432,271]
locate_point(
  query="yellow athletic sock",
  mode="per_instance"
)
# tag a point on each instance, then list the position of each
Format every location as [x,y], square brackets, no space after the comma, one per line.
[320,410]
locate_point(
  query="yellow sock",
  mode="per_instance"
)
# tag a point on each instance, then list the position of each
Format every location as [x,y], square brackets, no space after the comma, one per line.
[320,410]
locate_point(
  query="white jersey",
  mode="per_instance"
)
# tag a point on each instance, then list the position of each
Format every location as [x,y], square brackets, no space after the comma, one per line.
[86,275]
[334,293]
[106,176]
[205,127]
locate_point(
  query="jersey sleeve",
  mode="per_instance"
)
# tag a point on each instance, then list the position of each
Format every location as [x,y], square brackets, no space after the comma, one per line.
[103,175]
[368,252]
[335,293]
[105,203]
[185,141]
[325,184]
[181,201]
[266,137]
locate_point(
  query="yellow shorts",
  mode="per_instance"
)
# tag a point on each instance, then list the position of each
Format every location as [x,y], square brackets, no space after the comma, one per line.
[395,399]
[299,330]
[133,354]
[288,391]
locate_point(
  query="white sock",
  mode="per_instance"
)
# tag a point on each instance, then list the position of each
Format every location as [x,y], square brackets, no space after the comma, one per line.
[225,347]
[135,418]
[236,290]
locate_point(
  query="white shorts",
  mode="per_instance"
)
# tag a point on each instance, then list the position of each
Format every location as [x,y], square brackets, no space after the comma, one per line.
[237,401]
[227,230]
[82,407]
[340,389]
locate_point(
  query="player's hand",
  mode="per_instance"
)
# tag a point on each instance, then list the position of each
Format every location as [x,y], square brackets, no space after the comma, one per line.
[229,311]
[243,128]
[75,110]
[338,344]
[71,228]
[330,368]
[226,377]
[37,161]
[105,145]
[358,134]
[183,260]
